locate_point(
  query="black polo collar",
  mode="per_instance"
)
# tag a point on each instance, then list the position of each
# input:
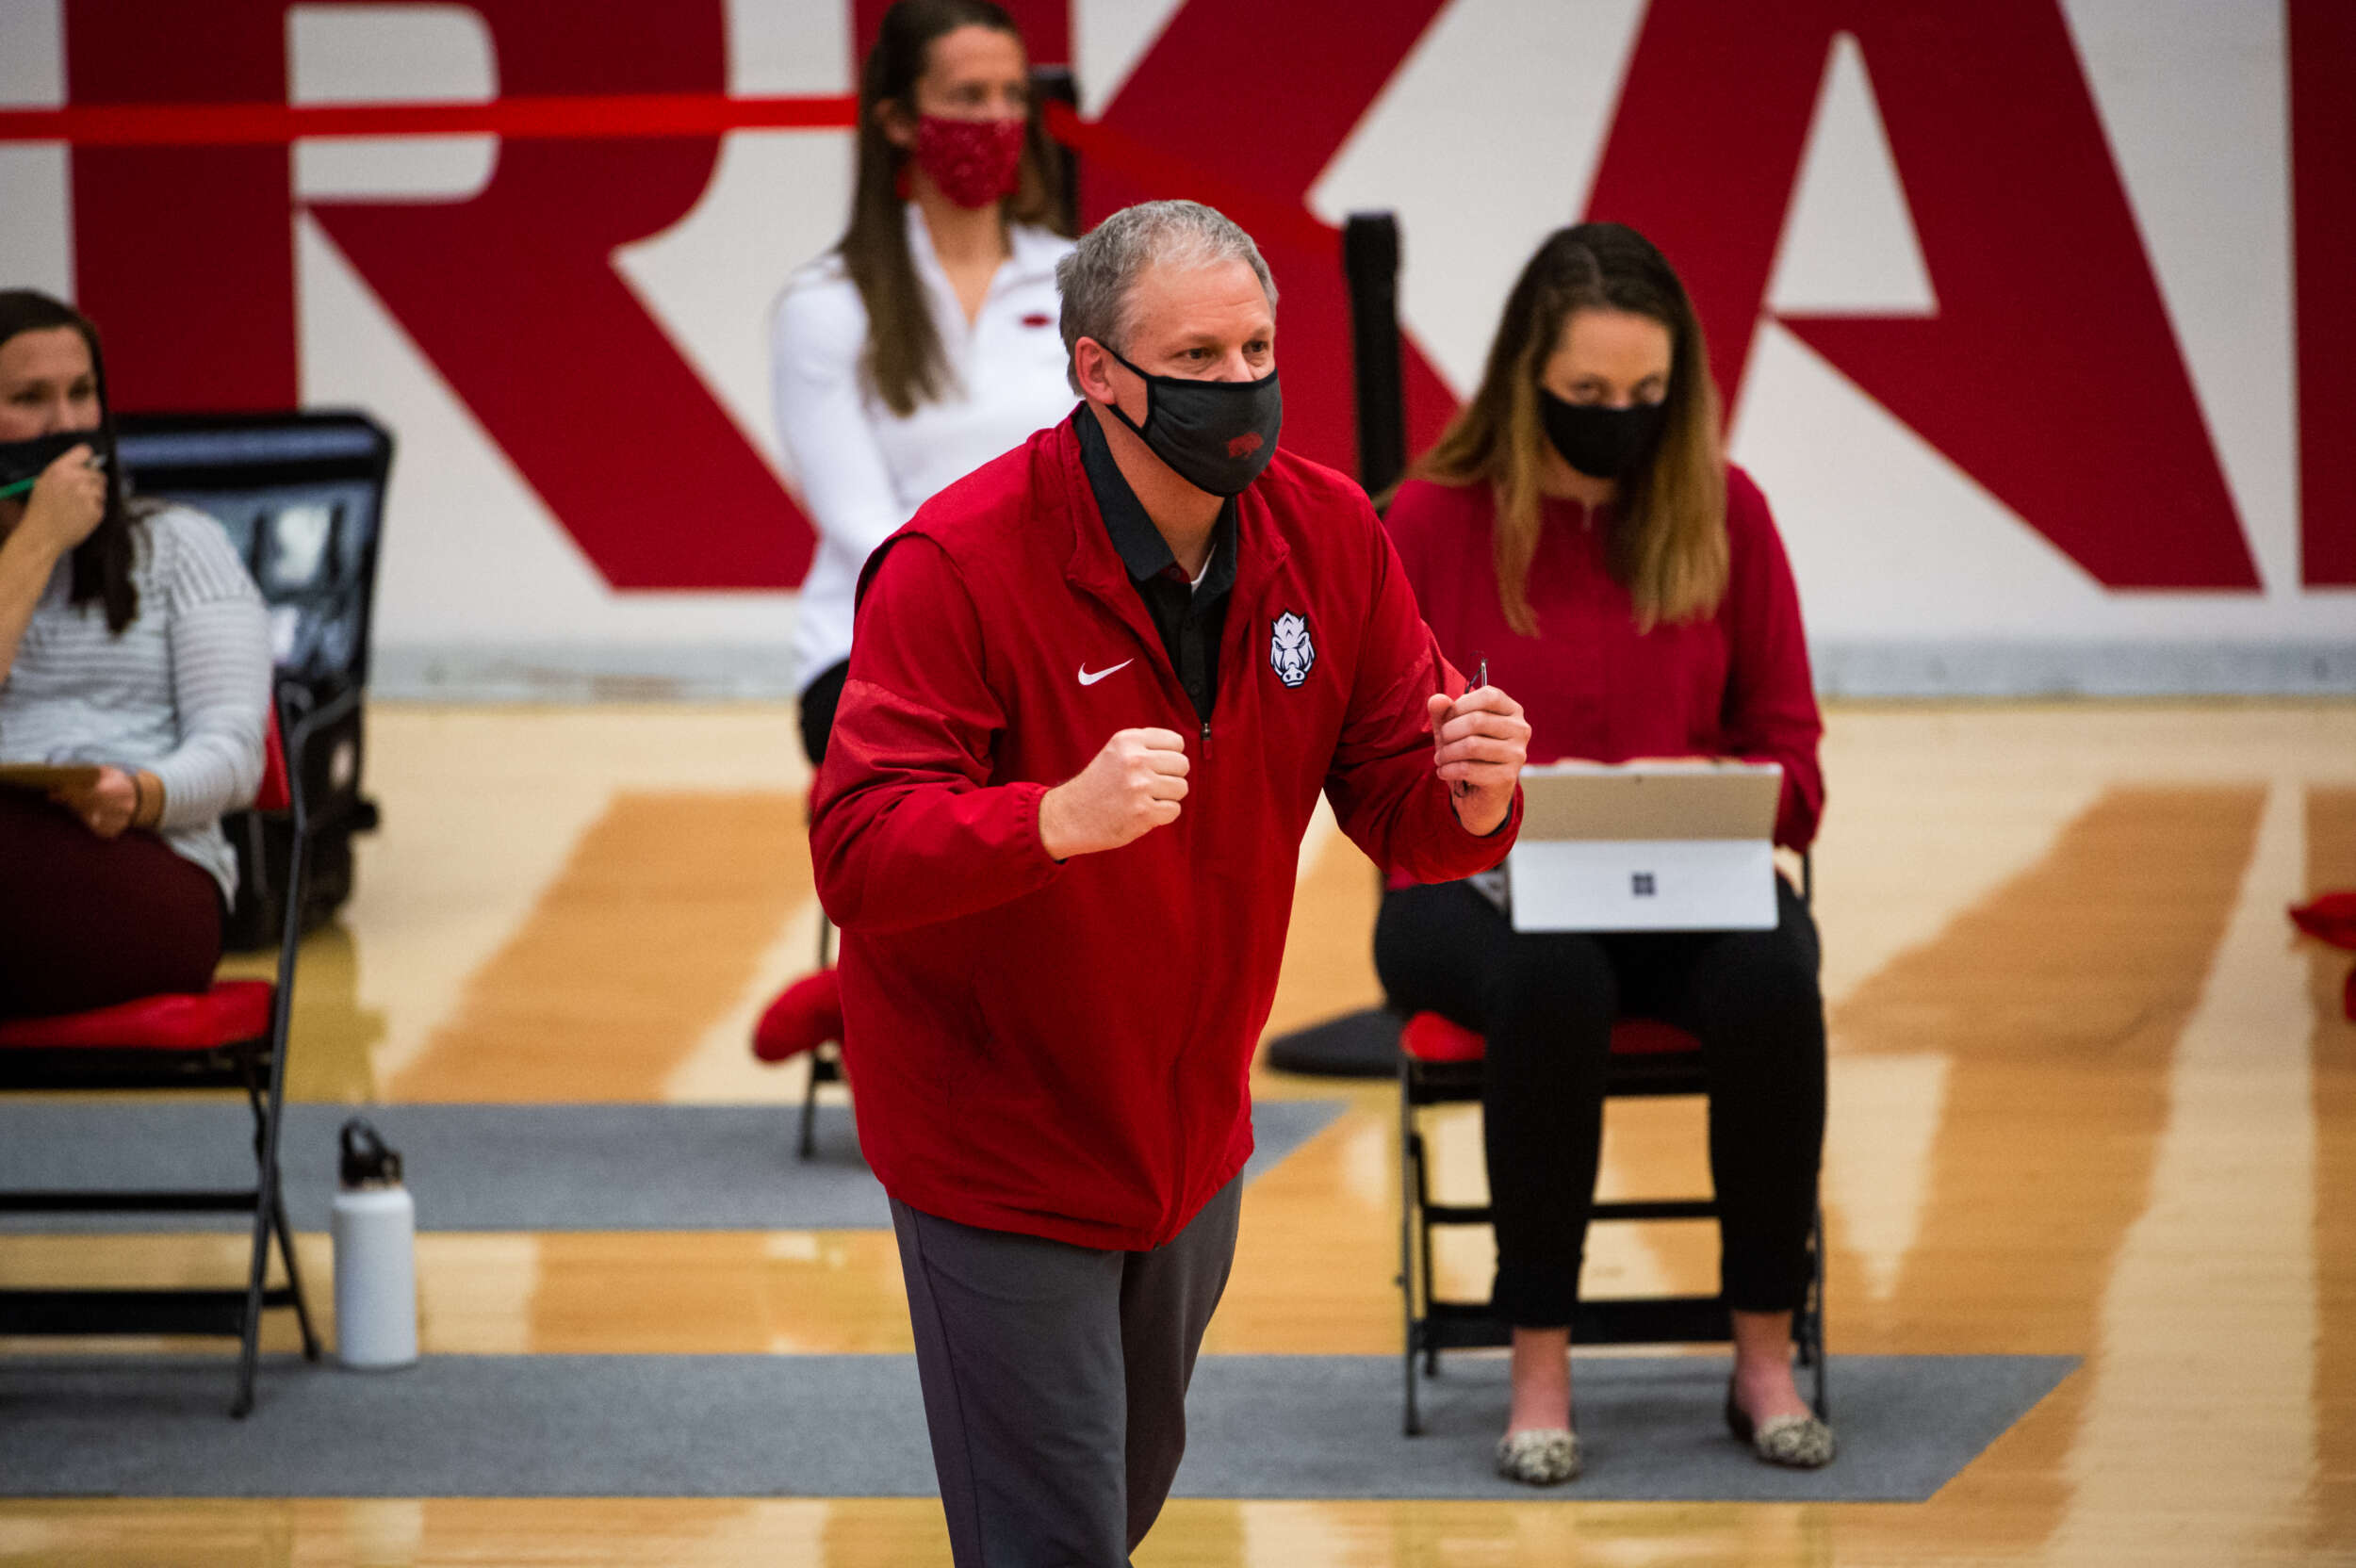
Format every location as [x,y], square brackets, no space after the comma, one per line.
[1142,548]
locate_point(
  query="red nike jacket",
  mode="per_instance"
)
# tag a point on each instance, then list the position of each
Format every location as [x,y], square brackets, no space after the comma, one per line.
[1063,1049]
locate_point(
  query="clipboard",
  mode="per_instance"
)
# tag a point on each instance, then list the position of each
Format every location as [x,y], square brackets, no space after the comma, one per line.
[46,777]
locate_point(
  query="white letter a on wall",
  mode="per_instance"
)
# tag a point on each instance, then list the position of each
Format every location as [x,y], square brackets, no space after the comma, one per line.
[1848,246]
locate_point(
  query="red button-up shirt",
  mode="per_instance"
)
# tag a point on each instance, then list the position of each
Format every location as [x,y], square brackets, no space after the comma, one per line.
[1734,684]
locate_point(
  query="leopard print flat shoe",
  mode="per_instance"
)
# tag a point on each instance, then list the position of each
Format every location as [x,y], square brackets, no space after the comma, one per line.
[1545,1456]
[1795,1441]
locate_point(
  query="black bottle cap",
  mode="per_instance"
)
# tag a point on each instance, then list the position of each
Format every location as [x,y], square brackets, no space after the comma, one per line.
[366,1160]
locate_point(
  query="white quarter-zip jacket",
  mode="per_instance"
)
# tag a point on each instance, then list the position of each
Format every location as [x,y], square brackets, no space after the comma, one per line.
[864,470]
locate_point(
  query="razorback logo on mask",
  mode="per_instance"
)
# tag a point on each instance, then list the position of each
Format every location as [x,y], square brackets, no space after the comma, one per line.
[1245,445]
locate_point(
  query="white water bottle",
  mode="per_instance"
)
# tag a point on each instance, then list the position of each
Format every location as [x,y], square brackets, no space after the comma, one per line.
[376,1228]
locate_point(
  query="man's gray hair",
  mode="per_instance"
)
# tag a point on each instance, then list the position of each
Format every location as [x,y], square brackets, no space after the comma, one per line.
[1098,277]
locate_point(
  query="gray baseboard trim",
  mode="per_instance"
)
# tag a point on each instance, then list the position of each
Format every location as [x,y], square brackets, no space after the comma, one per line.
[584,672]
[2153,669]
[737,671]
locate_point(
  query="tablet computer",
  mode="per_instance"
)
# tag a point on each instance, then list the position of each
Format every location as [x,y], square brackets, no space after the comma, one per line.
[1650,847]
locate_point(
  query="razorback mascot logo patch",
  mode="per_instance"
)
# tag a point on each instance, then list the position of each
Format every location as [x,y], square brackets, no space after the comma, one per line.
[1290,652]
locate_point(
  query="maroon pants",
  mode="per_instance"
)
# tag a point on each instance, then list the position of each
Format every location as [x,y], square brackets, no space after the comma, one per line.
[86,921]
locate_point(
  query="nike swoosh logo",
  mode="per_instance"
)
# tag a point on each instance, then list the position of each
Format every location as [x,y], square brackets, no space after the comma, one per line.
[1088,680]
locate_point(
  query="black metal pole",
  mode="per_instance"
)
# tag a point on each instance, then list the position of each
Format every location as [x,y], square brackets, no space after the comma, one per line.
[1365,1044]
[1370,263]
[1056,84]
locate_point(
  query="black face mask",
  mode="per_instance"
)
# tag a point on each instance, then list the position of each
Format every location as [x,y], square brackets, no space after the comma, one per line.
[22,462]
[1216,435]
[1602,443]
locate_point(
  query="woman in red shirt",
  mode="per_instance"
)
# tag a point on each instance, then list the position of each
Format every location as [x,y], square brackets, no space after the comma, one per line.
[1578,527]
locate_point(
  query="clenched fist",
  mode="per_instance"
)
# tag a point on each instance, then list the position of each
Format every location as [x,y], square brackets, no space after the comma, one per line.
[1133,786]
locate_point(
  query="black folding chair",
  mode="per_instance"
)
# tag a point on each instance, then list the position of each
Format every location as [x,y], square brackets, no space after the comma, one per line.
[234,1037]
[1441,1062]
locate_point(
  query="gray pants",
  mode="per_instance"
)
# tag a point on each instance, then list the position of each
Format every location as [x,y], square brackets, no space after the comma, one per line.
[1056,1380]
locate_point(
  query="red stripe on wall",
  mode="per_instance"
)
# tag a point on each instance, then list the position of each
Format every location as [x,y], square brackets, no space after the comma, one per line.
[607,116]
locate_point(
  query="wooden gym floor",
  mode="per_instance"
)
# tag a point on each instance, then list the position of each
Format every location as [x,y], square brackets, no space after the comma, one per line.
[2088,1096]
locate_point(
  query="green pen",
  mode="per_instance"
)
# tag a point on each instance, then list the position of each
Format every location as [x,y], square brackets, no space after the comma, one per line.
[24,484]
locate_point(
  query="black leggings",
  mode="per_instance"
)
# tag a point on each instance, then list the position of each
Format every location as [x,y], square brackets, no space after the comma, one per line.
[1546,1002]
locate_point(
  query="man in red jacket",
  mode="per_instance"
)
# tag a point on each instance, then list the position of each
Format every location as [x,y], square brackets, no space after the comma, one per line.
[1095,692]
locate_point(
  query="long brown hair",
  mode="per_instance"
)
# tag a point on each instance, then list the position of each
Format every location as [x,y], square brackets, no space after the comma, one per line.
[905,365]
[102,563]
[1668,540]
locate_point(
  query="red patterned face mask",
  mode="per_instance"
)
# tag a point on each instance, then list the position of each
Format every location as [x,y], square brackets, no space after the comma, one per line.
[974,162]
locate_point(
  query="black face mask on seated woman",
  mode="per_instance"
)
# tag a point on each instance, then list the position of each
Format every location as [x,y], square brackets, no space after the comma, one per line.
[1600,442]
[22,462]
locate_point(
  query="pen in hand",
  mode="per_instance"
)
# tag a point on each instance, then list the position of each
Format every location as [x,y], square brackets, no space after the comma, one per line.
[1463,786]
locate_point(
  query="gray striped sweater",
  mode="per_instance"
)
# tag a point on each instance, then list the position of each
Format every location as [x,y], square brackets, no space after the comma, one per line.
[184,692]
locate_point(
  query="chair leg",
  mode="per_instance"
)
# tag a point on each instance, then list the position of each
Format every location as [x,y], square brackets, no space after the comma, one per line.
[806,1142]
[258,1272]
[1411,1420]
[294,1278]
[250,1351]
[1423,1223]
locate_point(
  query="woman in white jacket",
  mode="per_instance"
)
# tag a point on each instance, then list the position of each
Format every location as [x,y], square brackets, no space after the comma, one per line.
[925,343]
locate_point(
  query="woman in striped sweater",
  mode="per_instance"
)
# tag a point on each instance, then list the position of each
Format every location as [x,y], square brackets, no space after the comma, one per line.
[130,638]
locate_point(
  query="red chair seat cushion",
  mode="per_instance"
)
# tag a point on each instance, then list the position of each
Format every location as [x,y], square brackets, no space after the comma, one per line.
[232,1011]
[1430,1037]
[2332,918]
[2329,917]
[805,1015]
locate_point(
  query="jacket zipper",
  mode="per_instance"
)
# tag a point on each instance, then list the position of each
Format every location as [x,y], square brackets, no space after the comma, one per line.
[1206,740]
